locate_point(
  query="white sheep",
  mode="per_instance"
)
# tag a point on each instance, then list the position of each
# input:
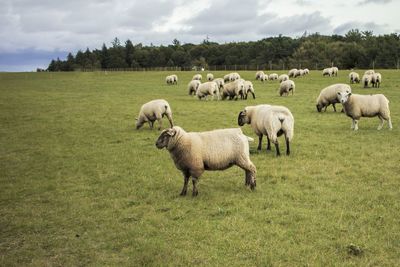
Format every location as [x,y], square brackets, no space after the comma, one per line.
[233,90]
[207,89]
[328,95]
[258,74]
[263,77]
[197,77]
[366,80]
[220,82]
[283,77]
[357,106]
[286,86]
[193,86]
[195,152]
[354,77]
[272,121]
[292,72]
[376,80]
[234,76]
[306,71]
[248,88]
[327,71]
[152,111]
[369,72]
[210,77]
[298,73]
[169,80]
[175,78]
[335,71]
[273,76]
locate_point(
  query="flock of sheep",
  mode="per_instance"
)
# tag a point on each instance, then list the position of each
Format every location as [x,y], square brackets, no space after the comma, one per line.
[195,152]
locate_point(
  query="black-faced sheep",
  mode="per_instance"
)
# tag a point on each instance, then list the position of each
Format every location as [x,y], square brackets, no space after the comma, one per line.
[195,152]
[286,86]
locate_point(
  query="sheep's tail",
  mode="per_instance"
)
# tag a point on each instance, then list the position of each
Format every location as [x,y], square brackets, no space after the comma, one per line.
[249,138]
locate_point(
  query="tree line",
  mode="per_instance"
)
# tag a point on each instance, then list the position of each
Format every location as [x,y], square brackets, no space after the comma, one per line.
[356,49]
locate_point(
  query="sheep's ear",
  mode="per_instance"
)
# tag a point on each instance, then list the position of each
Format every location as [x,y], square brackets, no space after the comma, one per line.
[171,132]
[349,94]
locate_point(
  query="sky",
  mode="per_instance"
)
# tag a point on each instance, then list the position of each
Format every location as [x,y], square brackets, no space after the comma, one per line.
[32,32]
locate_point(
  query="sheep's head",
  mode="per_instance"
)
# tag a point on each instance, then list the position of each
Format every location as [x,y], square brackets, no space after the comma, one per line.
[343,96]
[139,123]
[319,107]
[164,138]
[242,118]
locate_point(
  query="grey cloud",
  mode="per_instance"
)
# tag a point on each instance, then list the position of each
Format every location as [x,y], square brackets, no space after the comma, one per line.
[369,26]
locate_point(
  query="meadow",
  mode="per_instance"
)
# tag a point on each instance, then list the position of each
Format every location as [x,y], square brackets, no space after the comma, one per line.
[80,186]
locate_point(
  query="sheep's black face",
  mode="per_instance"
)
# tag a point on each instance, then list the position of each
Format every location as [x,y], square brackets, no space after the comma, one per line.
[242,118]
[319,108]
[164,138]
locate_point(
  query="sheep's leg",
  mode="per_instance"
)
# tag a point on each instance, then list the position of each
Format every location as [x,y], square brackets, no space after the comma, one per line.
[326,108]
[260,137]
[390,124]
[278,153]
[355,125]
[186,177]
[334,108]
[250,172]
[254,96]
[382,122]
[352,124]
[170,120]
[151,123]
[159,123]
[287,146]
[195,191]
[268,143]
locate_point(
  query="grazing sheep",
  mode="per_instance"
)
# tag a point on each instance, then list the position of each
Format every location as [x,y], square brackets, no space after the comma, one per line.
[210,77]
[286,86]
[327,71]
[248,88]
[234,76]
[366,79]
[283,77]
[220,82]
[233,90]
[298,73]
[328,95]
[175,78]
[376,80]
[170,79]
[273,76]
[264,77]
[335,71]
[292,72]
[272,121]
[195,152]
[193,86]
[354,77]
[258,74]
[306,71]
[357,106]
[197,77]
[369,72]
[206,89]
[152,111]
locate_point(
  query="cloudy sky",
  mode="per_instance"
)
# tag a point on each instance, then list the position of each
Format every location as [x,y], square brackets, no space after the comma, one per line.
[32,32]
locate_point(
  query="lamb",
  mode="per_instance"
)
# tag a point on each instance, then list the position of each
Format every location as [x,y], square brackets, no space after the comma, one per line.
[197,77]
[328,96]
[195,152]
[193,86]
[354,77]
[272,121]
[366,79]
[292,72]
[357,106]
[248,88]
[376,80]
[206,89]
[258,74]
[286,86]
[283,77]
[152,111]
[273,76]
[233,90]
[210,77]
[327,71]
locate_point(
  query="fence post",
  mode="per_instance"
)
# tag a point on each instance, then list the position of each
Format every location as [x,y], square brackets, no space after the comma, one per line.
[373,64]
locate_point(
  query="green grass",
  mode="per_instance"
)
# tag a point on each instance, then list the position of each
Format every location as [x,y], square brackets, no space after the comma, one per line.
[80,186]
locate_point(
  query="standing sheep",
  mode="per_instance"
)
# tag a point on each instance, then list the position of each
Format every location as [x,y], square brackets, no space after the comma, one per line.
[376,79]
[193,86]
[233,90]
[195,152]
[335,71]
[306,71]
[357,106]
[366,80]
[210,77]
[258,74]
[220,83]
[327,71]
[206,89]
[286,86]
[273,76]
[152,111]
[283,77]
[292,72]
[264,77]
[328,95]
[169,80]
[248,88]
[272,121]
[354,77]
[197,77]
[369,72]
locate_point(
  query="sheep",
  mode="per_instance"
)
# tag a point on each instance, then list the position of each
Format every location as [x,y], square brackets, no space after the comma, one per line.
[327,71]
[328,95]
[306,71]
[292,72]
[210,77]
[298,73]
[152,111]
[335,71]
[369,72]
[273,76]
[175,77]
[376,80]
[169,80]
[283,77]
[195,152]
[193,86]
[233,90]
[357,106]
[248,88]
[272,121]
[366,79]
[206,89]
[354,77]
[234,76]
[258,74]
[286,86]
[220,82]
[263,77]
[197,77]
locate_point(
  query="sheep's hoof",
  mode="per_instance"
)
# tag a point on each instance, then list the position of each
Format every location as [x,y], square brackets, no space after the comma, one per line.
[183,193]
[194,194]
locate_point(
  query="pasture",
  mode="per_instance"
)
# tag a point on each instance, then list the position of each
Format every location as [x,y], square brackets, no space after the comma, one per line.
[80,186]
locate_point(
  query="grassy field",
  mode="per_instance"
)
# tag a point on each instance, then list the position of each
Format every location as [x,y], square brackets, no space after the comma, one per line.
[80,186]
